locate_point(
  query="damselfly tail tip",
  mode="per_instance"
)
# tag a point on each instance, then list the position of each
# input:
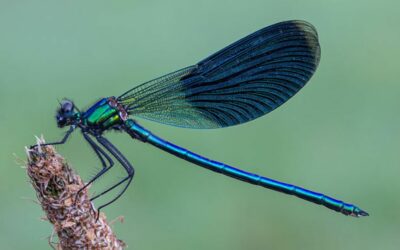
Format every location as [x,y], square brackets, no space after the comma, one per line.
[362,213]
[359,213]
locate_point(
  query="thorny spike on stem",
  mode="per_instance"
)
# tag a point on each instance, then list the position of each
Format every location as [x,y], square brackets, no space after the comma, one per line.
[56,186]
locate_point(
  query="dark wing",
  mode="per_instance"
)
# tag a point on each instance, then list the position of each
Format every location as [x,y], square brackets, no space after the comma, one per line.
[241,82]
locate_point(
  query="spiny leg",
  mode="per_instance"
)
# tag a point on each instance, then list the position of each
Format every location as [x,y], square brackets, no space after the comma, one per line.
[100,153]
[116,153]
[98,150]
[124,162]
[121,158]
[63,140]
[129,177]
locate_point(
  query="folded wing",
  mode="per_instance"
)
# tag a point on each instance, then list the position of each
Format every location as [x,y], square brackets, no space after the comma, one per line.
[239,83]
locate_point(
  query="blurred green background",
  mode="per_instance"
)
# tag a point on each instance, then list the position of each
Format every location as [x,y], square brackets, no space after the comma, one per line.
[339,135]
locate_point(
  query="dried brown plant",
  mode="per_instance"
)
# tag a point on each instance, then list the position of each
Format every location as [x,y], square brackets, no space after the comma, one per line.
[72,215]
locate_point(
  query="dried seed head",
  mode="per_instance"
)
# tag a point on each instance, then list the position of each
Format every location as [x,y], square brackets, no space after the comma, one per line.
[73,217]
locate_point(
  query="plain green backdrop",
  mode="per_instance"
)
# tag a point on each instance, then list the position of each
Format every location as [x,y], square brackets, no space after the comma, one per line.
[339,135]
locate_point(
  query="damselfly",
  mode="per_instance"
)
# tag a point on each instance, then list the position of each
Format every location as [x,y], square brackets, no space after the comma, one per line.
[239,83]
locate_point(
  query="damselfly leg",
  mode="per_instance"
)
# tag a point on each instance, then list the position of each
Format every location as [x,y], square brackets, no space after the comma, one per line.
[110,148]
[62,141]
[100,154]
[99,151]
[124,162]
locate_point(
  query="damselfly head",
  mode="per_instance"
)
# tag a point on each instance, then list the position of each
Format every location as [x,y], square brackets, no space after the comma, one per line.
[66,114]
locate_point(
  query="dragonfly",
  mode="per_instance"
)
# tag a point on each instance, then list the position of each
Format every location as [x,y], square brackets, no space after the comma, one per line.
[242,82]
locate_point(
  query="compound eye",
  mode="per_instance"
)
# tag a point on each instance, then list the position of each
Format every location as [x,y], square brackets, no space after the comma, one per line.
[67,106]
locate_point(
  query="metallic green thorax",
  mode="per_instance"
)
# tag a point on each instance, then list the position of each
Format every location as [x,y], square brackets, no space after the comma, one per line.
[102,115]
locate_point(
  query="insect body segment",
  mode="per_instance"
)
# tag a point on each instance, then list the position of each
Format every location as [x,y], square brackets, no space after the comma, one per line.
[105,114]
[144,135]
